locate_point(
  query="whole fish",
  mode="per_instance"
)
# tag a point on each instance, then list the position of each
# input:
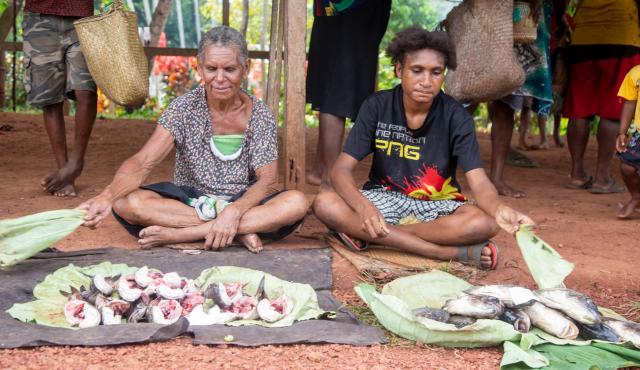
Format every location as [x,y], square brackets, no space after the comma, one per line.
[598,331]
[551,321]
[512,296]
[573,304]
[628,331]
[518,318]
[432,313]
[460,321]
[478,306]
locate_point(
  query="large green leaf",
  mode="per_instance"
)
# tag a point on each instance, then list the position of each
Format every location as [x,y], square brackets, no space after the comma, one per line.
[24,237]
[393,308]
[302,295]
[546,265]
[592,357]
[48,307]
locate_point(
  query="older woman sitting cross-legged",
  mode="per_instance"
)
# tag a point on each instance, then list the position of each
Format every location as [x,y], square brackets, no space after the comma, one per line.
[226,164]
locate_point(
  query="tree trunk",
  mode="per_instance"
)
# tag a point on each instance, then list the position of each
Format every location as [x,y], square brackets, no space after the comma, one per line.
[158,20]
[245,18]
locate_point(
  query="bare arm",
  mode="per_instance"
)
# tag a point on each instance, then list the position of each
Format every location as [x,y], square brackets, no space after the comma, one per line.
[129,176]
[344,184]
[488,200]
[628,109]
[225,226]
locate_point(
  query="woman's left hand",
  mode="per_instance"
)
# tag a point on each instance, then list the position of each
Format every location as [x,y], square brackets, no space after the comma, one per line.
[510,220]
[223,229]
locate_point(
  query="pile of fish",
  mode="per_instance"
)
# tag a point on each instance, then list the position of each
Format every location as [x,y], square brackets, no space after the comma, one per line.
[151,296]
[561,312]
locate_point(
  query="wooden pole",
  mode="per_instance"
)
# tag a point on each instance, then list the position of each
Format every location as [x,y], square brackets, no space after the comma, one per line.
[277,80]
[196,14]
[180,23]
[295,57]
[273,49]
[225,12]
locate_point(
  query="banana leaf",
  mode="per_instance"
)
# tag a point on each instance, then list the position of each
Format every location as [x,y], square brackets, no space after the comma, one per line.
[535,349]
[546,265]
[598,356]
[24,237]
[393,308]
[302,295]
[48,307]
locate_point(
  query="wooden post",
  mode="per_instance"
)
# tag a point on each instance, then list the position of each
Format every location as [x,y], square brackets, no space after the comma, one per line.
[277,80]
[225,12]
[2,75]
[294,147]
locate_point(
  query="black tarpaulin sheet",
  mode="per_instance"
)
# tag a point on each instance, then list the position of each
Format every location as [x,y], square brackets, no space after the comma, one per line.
[309,266]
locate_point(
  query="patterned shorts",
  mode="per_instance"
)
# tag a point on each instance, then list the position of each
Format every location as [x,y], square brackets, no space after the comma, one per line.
[53,62]
[396,206]
[632,155]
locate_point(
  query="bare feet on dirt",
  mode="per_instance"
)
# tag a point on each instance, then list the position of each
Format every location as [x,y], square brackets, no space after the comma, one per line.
[61,181]
[508,191]
[251,241]
[628,209]
[155,236]
[557,140]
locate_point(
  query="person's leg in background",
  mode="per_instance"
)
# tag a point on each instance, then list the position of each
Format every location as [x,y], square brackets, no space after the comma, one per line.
[79,85]
[501,116]
[525,118]
[557,121]
[577,140]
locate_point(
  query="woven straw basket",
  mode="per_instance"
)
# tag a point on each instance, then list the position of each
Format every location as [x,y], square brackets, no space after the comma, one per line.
[525,30]
[488,68]
[114,55]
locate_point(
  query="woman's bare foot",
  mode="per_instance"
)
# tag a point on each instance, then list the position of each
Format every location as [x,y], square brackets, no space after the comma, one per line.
[155,236]
[61,178]
[508,191]
[251,241]
[544,144]
[627,210]
[68,190]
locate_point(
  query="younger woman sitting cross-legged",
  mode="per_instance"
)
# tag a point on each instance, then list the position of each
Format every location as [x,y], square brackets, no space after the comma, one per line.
[418,135]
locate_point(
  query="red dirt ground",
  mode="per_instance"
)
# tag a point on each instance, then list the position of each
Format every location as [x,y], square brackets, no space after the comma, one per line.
[581,226]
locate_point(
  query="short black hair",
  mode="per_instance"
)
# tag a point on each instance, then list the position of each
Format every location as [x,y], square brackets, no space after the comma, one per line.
[416,38]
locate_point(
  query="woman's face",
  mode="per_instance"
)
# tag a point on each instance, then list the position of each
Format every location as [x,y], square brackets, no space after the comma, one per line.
[421,74]
[221,71]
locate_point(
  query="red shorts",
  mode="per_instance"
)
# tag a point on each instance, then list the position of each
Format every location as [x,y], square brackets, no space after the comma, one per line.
[593,87]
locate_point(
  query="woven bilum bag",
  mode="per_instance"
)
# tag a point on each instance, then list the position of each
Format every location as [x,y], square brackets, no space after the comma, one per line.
[115,55]
[525,29]
[488,68]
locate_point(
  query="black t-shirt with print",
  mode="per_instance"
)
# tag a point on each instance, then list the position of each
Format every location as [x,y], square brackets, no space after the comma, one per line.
[420,163]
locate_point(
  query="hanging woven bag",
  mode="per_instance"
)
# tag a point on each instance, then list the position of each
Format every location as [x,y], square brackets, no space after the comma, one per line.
[488,68]
[115,55]
[525,29]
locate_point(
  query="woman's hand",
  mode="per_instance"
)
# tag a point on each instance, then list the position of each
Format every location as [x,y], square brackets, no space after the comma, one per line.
[372,221]
[98,208]
[621,143]
[223,229]
[510,220]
